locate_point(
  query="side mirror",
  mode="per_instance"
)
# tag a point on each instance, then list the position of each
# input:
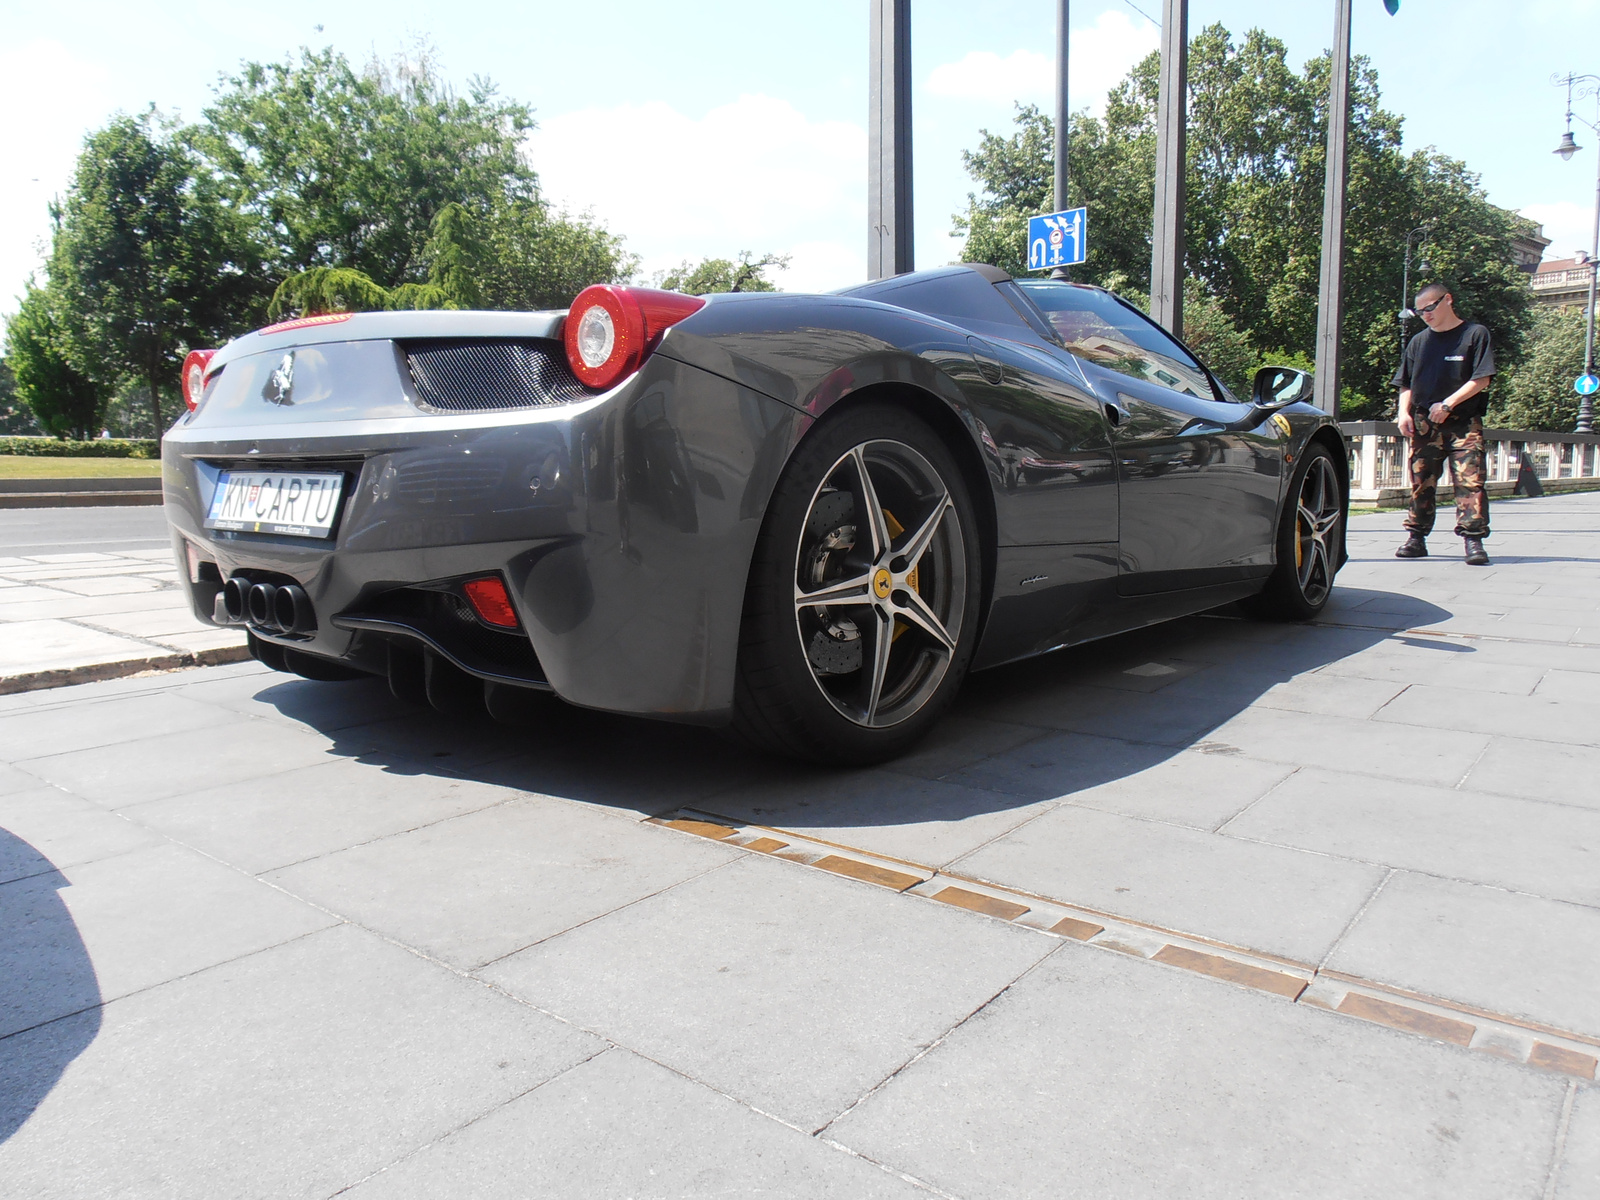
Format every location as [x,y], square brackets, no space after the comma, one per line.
[1279,387]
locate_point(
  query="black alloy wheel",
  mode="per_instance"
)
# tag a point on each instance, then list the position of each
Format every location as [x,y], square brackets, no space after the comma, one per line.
[1310,541]
[863,598]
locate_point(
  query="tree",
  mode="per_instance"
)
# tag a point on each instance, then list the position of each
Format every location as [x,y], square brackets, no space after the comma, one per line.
[1536,393]
[16,418]
[146,261]
[64,401]
[723,275]
[1256,165]
[347,168]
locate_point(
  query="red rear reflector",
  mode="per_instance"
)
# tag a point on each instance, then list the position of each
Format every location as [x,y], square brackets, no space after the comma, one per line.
[489,600]
[307,322]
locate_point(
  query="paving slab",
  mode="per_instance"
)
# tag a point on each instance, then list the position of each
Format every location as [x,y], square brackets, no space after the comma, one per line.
[257,691]
[792,991]
[39,732]
[1385,750]
[45,828]
[620,1125]
[1538,771]
[1188,1087]
[475,888]
[143,917]
[1578,1175]
[293,1072]
[236,750]
[51,644]
[284,819]
[1506,952]
[1566,721]
[1550,850]
[1271,898]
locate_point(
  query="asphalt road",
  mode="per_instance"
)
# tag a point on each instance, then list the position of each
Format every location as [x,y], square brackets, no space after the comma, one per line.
[81,530]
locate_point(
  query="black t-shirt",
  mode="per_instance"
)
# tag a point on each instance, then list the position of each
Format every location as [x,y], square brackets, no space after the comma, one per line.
[1436,364]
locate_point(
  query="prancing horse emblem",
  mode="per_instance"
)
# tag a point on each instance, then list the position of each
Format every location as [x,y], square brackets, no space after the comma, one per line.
[280,383]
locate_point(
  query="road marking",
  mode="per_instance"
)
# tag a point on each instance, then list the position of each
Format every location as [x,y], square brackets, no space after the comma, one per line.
[1521,1041]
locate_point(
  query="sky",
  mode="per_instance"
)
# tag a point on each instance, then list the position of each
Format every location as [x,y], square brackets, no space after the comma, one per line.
[711,127]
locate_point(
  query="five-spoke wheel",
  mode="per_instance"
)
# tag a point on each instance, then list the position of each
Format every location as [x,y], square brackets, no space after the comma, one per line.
[1310,542]
[871,542]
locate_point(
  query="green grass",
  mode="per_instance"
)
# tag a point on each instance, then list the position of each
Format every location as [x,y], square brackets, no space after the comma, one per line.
[28,466]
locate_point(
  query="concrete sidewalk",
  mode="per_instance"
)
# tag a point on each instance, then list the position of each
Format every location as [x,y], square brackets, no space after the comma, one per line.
[273,937]
[71,617]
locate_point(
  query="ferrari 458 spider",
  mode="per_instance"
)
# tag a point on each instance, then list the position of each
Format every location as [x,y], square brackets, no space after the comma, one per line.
[806,517]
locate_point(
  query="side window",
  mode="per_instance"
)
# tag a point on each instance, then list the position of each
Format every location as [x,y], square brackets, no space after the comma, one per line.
[1097,327]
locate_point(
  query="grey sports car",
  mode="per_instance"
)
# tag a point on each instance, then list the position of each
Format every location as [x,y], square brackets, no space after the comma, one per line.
[806,517]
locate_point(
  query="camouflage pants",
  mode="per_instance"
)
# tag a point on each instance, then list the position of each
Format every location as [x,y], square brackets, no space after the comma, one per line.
[1460,441]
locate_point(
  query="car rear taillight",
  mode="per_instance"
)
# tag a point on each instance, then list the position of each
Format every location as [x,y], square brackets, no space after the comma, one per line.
[611,330]
[489,600]
[194,376]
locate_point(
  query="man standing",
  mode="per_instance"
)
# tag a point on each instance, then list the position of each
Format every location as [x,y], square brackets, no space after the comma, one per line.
[1442,376]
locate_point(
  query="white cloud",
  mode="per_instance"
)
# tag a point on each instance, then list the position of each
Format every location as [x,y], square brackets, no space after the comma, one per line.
[1569,226]
[755,175]
[1100,56]
[53,99]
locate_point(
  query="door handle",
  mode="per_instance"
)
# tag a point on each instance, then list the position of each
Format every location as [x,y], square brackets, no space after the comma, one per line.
[1115,414]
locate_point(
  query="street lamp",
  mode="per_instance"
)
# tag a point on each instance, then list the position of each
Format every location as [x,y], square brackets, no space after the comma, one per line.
[1566,150]
[1406,311]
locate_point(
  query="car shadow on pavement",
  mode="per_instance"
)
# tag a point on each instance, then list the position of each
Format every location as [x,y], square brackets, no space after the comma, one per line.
[1037,730]
[49,994]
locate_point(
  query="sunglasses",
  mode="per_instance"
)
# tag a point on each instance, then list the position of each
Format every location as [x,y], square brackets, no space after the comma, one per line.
[1428,308]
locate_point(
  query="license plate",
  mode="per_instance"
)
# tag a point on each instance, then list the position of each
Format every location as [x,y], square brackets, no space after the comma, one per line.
[296,503]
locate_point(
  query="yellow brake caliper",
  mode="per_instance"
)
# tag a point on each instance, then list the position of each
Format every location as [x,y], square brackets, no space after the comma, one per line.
[895,530]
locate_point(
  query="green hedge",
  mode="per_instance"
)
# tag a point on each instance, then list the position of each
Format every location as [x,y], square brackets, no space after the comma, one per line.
[97,448]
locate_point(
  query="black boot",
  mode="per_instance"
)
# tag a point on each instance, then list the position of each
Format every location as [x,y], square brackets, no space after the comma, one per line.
[1413,547]
[1477,556]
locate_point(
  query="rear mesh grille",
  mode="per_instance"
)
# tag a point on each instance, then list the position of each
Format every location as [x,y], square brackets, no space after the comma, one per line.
[485,376]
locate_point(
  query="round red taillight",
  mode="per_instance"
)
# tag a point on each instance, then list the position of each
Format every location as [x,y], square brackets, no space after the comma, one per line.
[194,376]
[611,330]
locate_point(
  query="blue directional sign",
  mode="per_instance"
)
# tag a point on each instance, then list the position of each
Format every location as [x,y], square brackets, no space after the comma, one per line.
[1586,385]
[1058,239]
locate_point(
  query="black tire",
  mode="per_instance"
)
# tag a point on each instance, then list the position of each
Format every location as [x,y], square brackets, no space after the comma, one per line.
[861,678]
[1310,543]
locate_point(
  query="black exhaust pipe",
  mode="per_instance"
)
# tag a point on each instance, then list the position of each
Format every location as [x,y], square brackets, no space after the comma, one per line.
[292,609]
[235,599]
[263,607]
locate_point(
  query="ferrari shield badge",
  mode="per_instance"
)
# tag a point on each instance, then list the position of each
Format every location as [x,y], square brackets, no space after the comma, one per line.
[280,384]
[1282,424]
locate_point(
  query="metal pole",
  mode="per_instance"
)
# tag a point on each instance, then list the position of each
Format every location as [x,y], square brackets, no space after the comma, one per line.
[889,245]
[1330,290]
[1063,117]
[1166,250]
[1586,404]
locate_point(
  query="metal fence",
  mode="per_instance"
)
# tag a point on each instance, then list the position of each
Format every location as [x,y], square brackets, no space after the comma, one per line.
[1380,470]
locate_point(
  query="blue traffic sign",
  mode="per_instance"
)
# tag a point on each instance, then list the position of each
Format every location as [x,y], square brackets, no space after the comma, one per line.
[1586,385]
[1058,239]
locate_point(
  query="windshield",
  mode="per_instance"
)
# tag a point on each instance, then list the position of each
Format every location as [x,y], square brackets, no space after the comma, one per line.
[1099,328]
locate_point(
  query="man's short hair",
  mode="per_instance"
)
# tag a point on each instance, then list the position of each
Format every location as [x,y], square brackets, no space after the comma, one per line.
[1431,289]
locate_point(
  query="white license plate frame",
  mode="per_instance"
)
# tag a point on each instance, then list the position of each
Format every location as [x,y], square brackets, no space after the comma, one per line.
[288,503]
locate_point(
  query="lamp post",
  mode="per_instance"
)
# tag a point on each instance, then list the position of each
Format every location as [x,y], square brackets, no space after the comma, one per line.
[1063,115]
[1406,311]
[1566,150]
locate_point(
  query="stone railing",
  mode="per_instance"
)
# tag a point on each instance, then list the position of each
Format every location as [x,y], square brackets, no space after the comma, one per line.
[1380,469]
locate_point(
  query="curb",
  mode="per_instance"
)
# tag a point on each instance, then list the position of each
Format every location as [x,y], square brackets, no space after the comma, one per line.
[35,681]
[79,499]
[1520,1041]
